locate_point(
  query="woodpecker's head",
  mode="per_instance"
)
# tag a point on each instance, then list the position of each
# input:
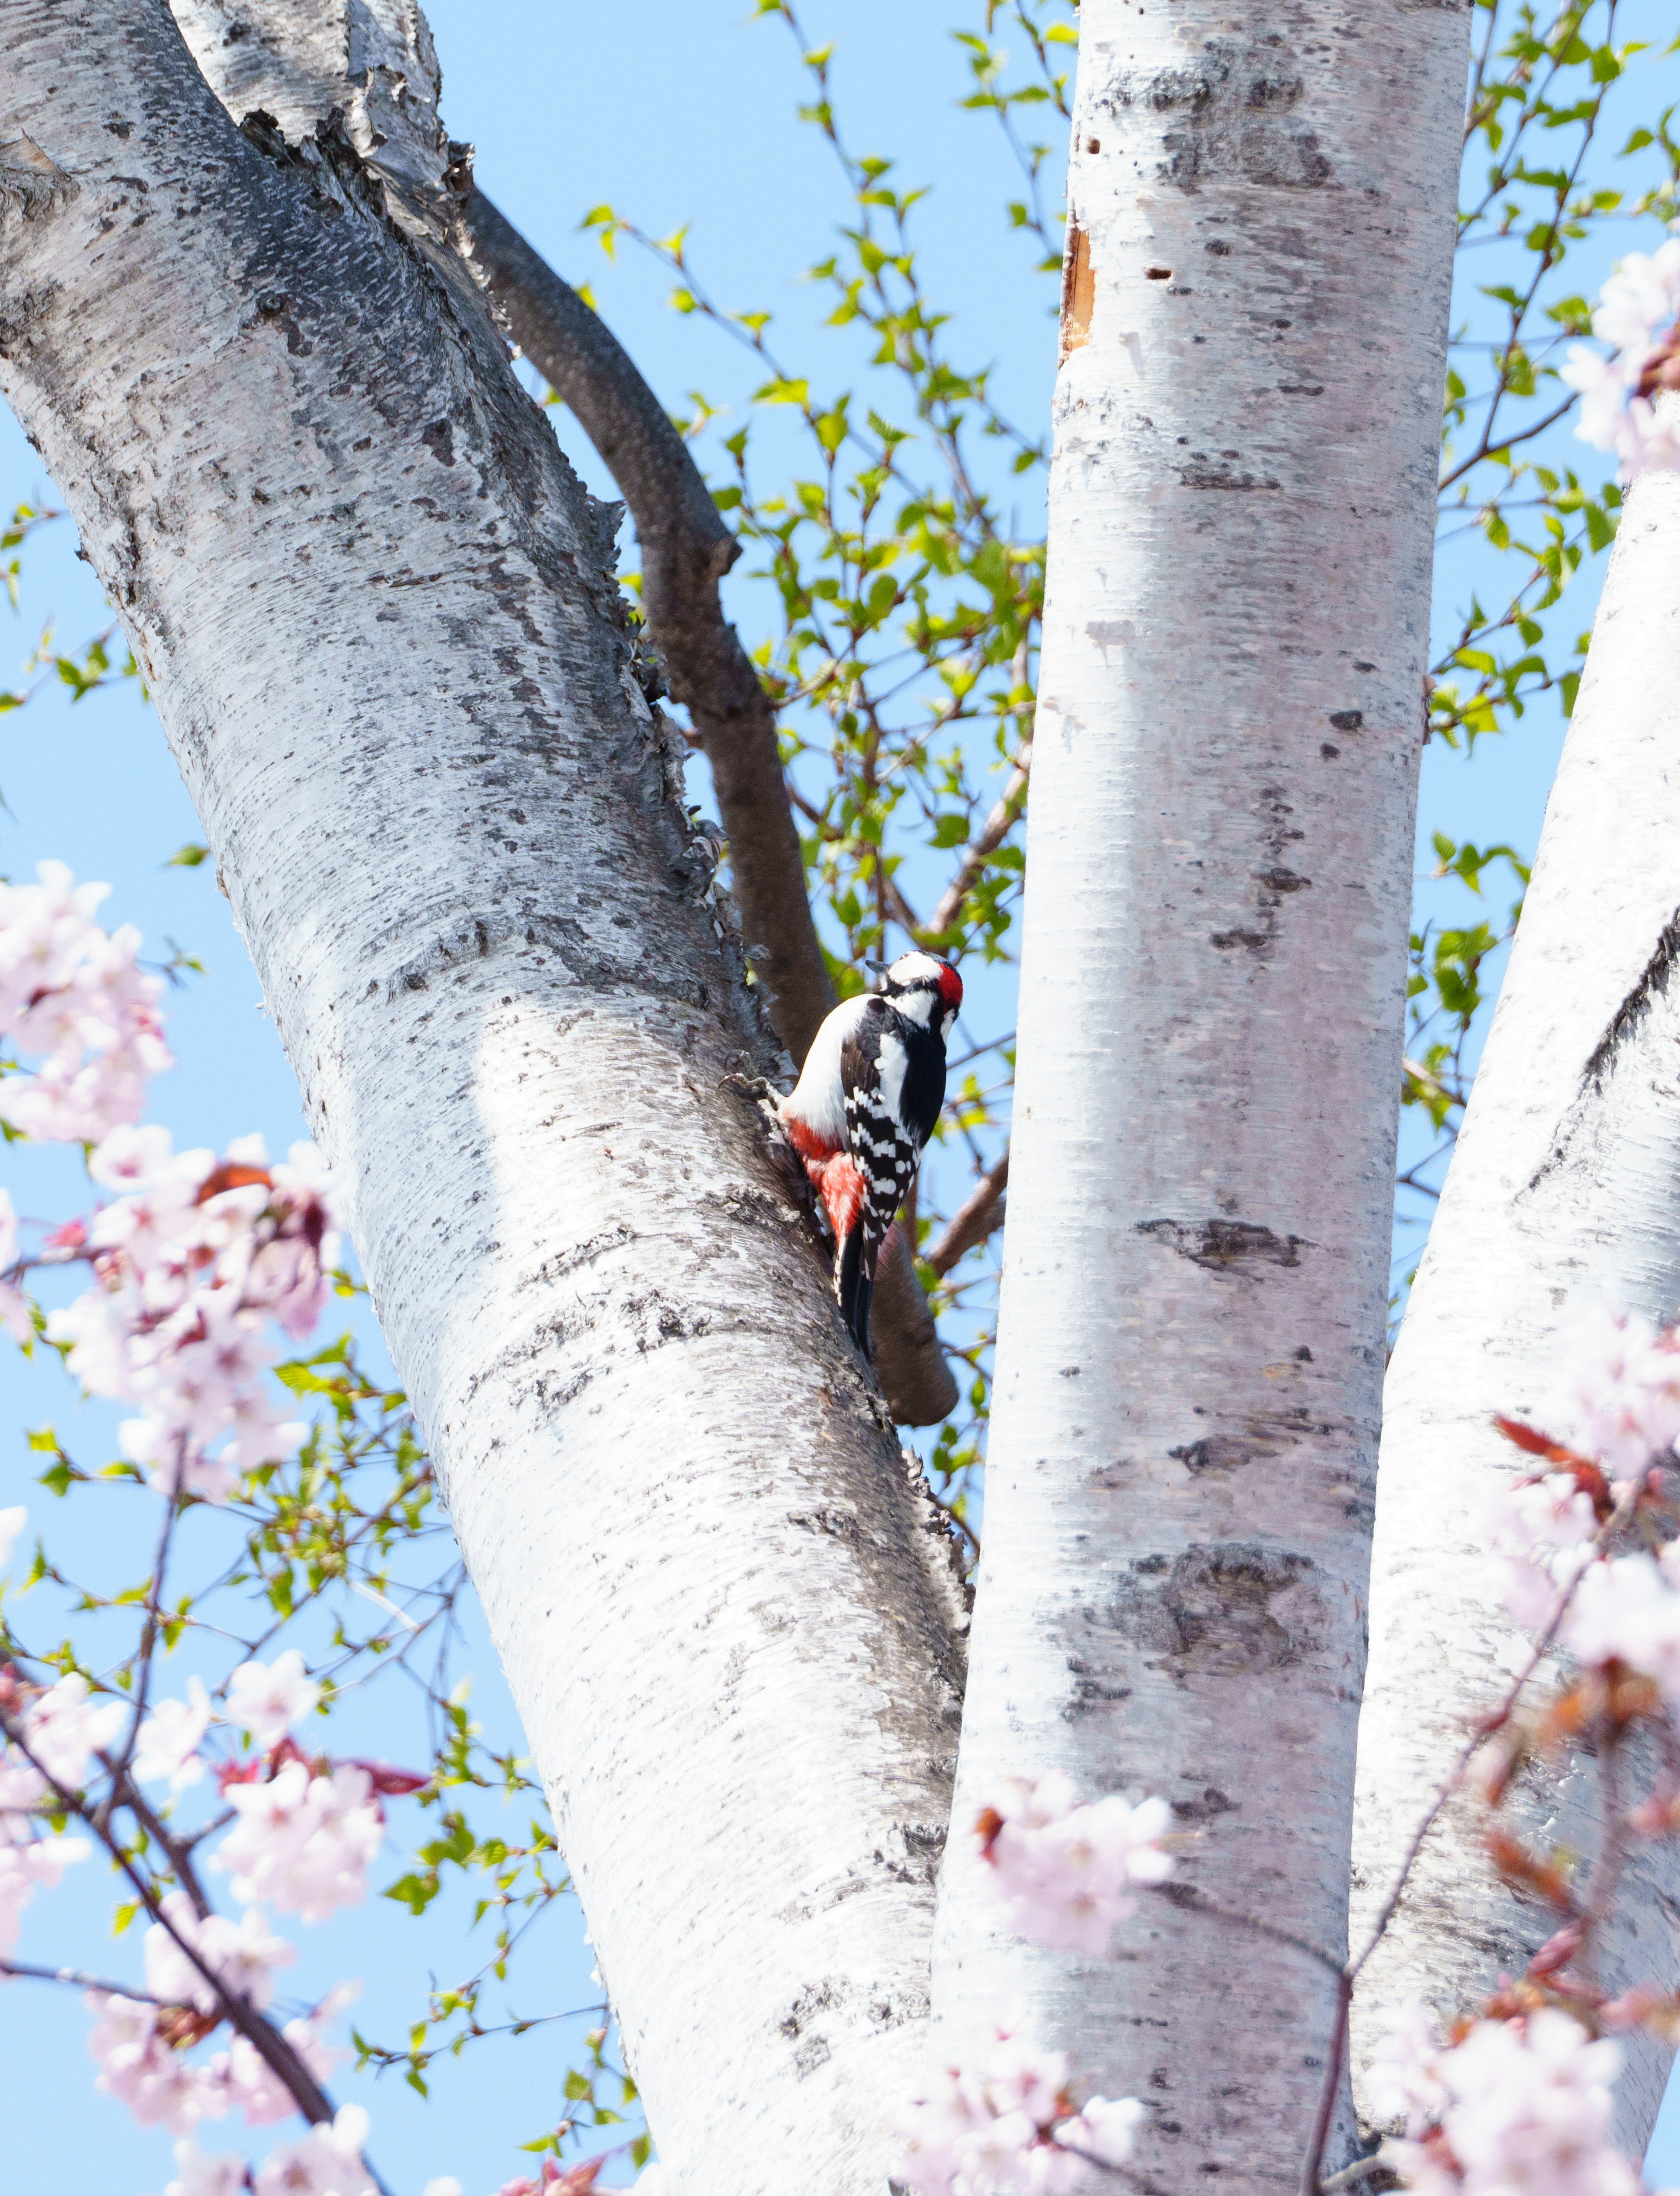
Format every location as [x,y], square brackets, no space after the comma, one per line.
[924,989]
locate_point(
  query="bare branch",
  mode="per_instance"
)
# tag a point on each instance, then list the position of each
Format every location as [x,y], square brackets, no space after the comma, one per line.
[73,1978]
[685,550]
[980,1215]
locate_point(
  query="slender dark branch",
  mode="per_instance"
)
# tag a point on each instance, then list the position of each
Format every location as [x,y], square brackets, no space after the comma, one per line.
[1314,2163]
[1187,1896]
[180,1850]
[1479,1737]
[1509,442]
[277,2054]
[21,1971]
[148,1635]
[980,1215]
[685,550]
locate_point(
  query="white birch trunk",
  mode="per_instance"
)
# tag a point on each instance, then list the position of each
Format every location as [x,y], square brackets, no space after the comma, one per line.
[374,608]
[1179,1489]
[1565,1187]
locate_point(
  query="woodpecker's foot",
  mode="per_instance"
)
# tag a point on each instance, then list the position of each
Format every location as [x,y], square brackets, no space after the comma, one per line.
[752,1087]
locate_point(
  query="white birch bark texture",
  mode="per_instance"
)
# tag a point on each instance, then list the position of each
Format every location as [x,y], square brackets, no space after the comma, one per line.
[375,609]
[1565,1188]
[1178,1495]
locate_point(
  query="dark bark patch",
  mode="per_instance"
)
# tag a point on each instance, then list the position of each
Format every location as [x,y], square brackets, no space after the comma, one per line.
[1226,1246]
[1226,940]
[31,182]
[1348,721]
[1208,1804]
[1230,115]
[1201,473]
[1226,1610]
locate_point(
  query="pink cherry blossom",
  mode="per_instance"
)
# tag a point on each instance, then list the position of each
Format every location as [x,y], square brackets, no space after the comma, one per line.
[992,2124]
[1515,2108]
[1063,1870]
[1639,315]
[65,1727]
[304,1840]
[130,1156]
[327,2162]
[1627,1610]
[267,1699]
[190,1270]
[1616,1393]
[242,1955]
[1539,1534]
[201,2174]
[1105,2129]
[29,1865]
[250,2085]
[168,1740]
[138,2068]
[76,996]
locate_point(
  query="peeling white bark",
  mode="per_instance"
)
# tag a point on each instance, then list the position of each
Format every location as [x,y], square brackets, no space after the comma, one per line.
[373,609]
[1179,1487]
[1565,1186]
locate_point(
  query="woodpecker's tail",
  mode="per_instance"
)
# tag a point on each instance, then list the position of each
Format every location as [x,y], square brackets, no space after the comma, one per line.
[854,1286]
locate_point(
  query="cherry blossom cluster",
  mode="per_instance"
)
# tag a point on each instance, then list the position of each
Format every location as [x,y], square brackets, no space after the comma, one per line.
[327,2162]
[188,1270]
[304,1833]
[75,996]
[1065,1870]
[1638,316]
[59,1731]
[1002,2118]
[1005,2121]
[1617,1400]
[553,2179]
[140,2049]
[1512,2106]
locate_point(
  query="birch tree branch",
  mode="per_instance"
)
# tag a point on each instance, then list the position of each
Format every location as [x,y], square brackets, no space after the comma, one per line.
[350,557]
[289,61]
[1190,1344]
[1564,1192]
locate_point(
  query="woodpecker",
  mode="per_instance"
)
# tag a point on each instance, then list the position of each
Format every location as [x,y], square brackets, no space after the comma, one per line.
[863,1109]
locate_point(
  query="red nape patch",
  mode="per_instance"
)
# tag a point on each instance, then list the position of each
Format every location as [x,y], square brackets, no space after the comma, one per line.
[950,987]
[844,1193]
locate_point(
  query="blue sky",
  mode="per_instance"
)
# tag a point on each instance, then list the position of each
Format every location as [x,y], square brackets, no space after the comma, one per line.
[675,111]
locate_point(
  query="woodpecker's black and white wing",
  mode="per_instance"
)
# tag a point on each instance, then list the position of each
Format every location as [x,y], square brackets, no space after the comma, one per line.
[893,1074]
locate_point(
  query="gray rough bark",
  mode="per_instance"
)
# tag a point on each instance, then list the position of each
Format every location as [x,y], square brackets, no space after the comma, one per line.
[1565,1187]
[374,609]
[1190,1348]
